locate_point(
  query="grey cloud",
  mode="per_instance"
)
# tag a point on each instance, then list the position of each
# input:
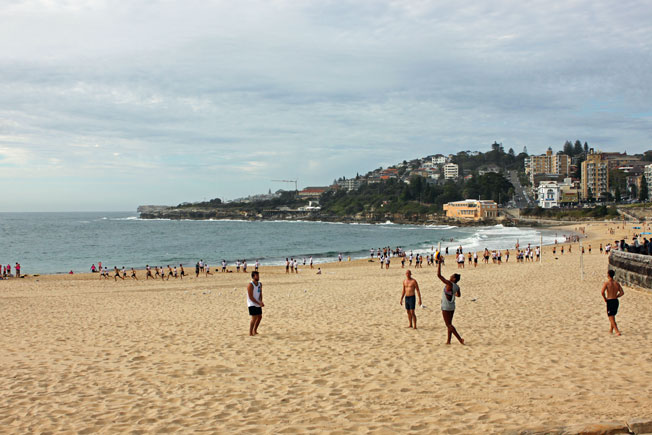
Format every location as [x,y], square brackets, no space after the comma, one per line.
[206,89]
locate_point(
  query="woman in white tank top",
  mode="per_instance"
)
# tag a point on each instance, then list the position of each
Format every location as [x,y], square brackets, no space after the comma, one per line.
[451,290]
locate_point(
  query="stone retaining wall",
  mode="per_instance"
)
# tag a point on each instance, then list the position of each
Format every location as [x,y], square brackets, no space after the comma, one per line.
[632,269]
[634,426]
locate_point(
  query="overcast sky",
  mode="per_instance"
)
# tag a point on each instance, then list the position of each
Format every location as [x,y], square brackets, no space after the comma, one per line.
[105,105]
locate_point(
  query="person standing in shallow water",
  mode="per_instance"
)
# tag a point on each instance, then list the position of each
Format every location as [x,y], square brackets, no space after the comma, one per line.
[451,290]
[410,286]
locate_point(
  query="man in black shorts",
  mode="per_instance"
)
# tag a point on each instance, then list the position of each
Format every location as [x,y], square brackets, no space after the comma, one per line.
[611,291]
[410,286]
[255,302]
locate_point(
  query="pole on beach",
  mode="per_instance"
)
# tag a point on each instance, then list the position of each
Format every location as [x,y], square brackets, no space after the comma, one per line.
[540,248]
[581,261]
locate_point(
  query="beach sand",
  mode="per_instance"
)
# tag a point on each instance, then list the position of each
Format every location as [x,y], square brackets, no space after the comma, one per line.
[333,354]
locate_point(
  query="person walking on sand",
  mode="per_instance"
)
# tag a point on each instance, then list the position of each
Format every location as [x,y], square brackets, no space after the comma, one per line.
[611,291]
[451,290]
[255,302]
[410,286]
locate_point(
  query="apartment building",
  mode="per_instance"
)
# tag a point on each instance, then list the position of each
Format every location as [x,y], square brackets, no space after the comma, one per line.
[595,176]
[451,171]
[548,163]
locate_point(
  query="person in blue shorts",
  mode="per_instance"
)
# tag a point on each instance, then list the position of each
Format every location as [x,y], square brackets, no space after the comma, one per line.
[410,287]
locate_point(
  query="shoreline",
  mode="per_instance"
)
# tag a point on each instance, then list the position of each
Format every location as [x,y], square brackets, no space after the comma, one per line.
[361,254]
[190,271]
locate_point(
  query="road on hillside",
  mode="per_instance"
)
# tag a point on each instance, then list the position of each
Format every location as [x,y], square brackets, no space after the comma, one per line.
[521,197]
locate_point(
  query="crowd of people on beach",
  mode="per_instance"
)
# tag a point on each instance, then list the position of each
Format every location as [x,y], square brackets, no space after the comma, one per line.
[170,271]
[6,271]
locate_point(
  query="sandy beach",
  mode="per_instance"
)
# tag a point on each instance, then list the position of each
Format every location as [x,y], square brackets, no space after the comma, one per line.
[333,355]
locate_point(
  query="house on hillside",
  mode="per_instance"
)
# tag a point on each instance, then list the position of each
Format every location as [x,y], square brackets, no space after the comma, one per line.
[312,192]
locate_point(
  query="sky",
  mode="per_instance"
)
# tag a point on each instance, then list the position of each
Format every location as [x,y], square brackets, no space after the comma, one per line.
[107,105]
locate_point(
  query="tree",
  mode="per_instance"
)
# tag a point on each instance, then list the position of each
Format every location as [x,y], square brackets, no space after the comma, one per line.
[617,194]
[578,149]
[586,149]
[568,148]
[643,194]
[647,156]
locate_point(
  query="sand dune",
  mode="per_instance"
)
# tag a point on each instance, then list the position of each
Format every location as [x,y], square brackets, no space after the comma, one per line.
[334,354]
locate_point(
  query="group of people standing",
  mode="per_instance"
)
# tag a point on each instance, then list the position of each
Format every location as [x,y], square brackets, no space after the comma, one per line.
[6,271]
[165,273]
[292,264]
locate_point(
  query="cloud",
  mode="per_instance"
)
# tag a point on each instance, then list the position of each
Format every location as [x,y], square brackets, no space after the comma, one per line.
[225,96]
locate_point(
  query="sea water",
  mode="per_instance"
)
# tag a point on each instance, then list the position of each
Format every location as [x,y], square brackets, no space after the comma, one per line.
[60,242]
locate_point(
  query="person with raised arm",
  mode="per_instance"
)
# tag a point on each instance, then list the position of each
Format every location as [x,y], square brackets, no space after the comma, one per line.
[451,291]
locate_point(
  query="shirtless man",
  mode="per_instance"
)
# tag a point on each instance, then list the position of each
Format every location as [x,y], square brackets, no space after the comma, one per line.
[451,290]
[613,291]
[410,285]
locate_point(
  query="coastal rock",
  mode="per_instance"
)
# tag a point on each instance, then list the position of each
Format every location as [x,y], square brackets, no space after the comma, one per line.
[640,426]
[540,430]
[597,429]
[579,429]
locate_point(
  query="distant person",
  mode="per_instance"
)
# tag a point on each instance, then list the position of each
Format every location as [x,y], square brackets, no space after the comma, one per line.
[255,302]
[460,260]
[17,267]
[611,291]
[197,270]
[319,271]
[410,286]
[451,290]
[133,274]
[182,272]
[117,274]
[148,272]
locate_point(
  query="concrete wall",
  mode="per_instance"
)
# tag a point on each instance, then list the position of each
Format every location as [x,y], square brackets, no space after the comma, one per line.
[632,269]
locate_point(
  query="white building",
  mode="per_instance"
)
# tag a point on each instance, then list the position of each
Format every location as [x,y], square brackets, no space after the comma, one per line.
[350,184]
[548,194]
[451,171]
[439,159]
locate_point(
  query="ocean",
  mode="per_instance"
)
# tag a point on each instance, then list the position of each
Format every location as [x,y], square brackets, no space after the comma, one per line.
[60,242]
